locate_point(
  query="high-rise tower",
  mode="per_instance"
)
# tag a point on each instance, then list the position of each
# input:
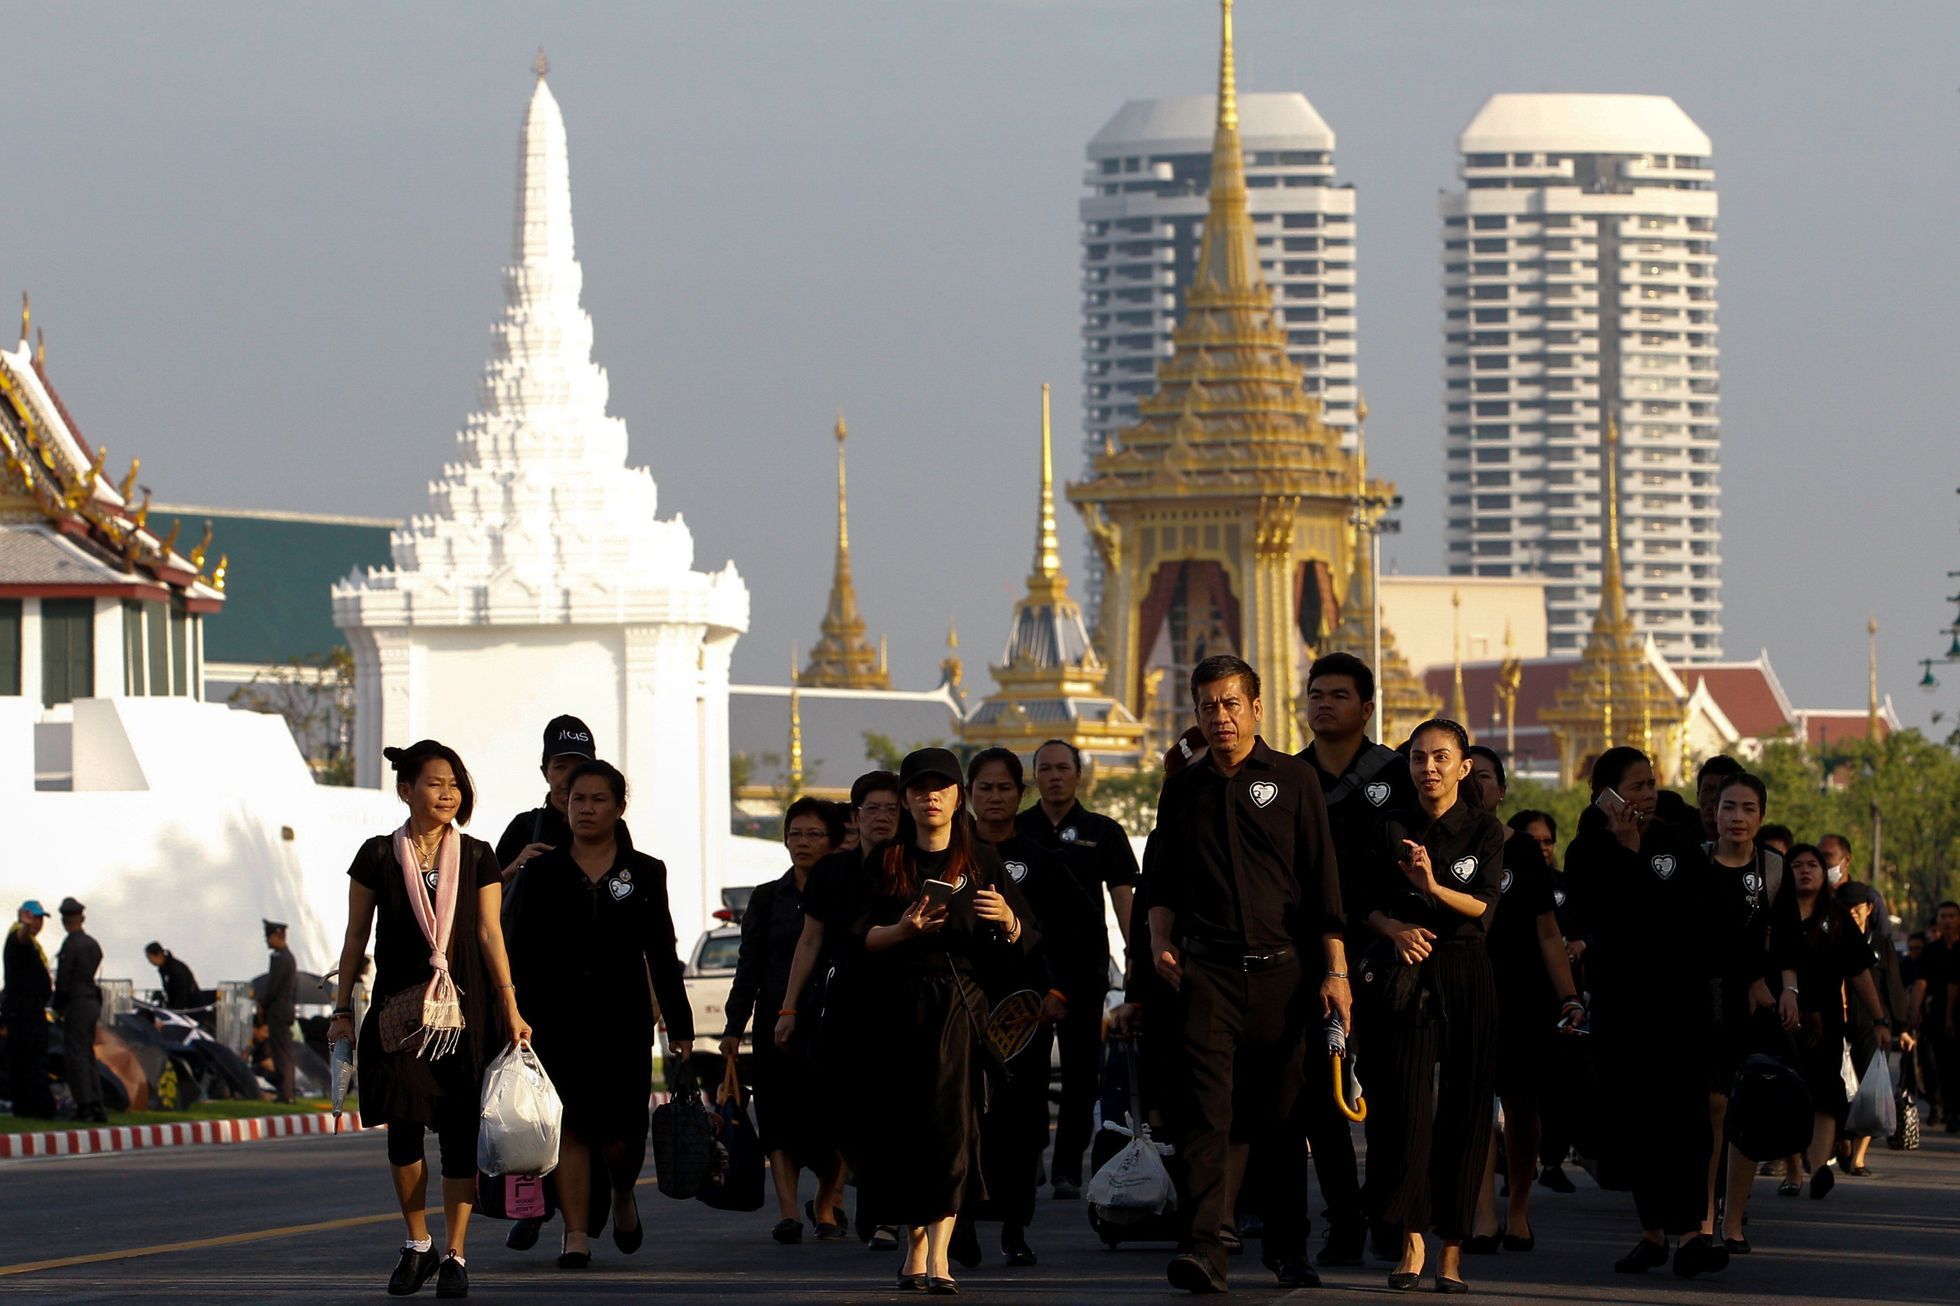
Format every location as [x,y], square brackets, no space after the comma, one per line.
[1579,288]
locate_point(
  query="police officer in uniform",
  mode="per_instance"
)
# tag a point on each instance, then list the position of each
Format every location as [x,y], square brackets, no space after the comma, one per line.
[277,1007]
[23,1006]
[1361,780]
[1097,850]
[1245,916]
[78,1005]
[567,742]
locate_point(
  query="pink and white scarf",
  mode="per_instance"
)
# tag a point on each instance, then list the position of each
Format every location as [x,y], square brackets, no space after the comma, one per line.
[442,1009]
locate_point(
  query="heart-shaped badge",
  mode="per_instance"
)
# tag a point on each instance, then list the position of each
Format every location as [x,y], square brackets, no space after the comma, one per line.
[1262,792]
[1558,897]
[1016,871]
[1504,885]
[618,888]
[432,879]
[1663,865]
[1463,868]
[1376,793]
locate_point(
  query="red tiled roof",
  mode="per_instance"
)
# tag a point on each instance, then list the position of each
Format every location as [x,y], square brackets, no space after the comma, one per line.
[1824,727]
[1746,695]
[1539,683]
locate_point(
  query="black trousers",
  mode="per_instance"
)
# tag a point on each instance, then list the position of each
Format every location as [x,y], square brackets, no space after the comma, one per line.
[1240,1033]
[1946,1065]
[27,1065]
[1080,1036]
[279,1045]
[1427,1140]
[1013,1135]
[78,1053]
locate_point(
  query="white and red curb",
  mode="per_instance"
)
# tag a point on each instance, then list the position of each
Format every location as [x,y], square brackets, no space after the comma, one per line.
[190,1133]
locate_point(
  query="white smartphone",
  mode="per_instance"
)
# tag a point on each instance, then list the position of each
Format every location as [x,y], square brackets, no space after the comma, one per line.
[1610,802]
[937,893]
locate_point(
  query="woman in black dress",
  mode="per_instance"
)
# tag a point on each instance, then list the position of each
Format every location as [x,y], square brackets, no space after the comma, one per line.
[915,1141]
[1828,952]
[1437,878]
[590,925]
[433,896]
[1641,899]
[788,1105]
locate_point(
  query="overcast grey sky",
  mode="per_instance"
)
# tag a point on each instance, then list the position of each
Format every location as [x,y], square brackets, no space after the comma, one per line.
[265,240]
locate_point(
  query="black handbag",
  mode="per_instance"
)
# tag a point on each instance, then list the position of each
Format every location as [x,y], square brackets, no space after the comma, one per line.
[1770,1114]
[1389,986]
[682,1132]
[739,1185]
[1906,1137]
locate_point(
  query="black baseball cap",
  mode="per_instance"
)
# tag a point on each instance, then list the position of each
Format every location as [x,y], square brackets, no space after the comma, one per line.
[925,762]
[69,907]
[567,736]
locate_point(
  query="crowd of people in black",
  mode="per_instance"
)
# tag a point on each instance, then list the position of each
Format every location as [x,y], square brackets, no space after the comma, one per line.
[1355,905]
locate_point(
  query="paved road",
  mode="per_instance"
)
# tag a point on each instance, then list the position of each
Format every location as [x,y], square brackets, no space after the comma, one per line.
[1888,1239]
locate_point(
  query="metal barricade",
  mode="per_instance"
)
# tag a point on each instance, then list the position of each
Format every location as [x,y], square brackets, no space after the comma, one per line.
[235,1008]
[117,995]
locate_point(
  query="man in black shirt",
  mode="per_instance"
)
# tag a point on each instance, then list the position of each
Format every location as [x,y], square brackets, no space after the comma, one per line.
[78,1005]
[567,742]
[1244,901]
[23,1008]
[1359,780]
[1097,852]
[178,986]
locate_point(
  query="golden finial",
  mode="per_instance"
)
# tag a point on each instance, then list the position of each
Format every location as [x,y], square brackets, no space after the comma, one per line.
[40,347]
[541,65]
[843,515]
[1871,709]
[128,486]
[952,632]
[93,477]
[1228,81]
[26,316]
[795,744]
[794,675]
[950,666]
[1047,548]
[1510,675]
[202,547]
[1613,599]
[884,654]
[170,541]
[1459,706]
[218,576]
[143,511]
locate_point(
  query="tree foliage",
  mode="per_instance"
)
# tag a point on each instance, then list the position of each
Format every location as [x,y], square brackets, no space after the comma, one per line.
[315,696]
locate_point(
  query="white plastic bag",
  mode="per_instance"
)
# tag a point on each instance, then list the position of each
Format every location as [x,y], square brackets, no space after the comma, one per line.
[521,1116]
[1847,1073]
[1874,1108]
[1133,1185]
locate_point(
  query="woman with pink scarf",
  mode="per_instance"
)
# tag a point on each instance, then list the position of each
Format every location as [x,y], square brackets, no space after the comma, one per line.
[443,999]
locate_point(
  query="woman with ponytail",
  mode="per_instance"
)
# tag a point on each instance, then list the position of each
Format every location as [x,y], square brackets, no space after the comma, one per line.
[443,1003]
[928,953]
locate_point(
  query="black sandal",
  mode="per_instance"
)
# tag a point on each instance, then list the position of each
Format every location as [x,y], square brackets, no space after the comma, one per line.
[787,1232]
[629,1240]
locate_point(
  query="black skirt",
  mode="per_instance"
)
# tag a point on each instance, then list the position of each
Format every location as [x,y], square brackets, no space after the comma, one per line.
[914,1134]
[791,1107]
[603,1075]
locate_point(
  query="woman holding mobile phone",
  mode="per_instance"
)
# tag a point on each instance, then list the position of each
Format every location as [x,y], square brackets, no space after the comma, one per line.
[1640,896]
[916,1142]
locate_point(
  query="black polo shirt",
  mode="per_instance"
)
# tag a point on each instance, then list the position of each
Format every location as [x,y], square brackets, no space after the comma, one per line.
[1096,851]
[1466,848]
[1247,859]
[1375,783]
[1525,891]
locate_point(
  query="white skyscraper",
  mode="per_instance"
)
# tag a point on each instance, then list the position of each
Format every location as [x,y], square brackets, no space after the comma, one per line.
[1579,285]
[1143,219]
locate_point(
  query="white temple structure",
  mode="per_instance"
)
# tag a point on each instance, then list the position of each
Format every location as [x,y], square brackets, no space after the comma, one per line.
[541,582]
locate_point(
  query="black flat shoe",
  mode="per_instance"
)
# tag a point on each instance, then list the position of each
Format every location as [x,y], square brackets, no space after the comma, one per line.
[1294,1272]
[1481,1244]
[1737,1246]
[939,1287]
[574,1260]
[452,1280]
[1858,1171]
[787,1232]
[1788,1188]
[1514,1243]
[1822,1182]
[1446,1284]
[1343,1247]
[1405,1280]
[1645,1256]
[1014,1247]
[523,1235]
[1555,1178]
[1700,1255]
[1193,1274]
[884,1239]
[964,1246]
[826,1232]
[629,1240]
[912,1282]
[413,1271]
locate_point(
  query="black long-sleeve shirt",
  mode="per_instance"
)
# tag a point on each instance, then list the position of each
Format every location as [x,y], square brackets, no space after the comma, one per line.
[771,925]
[74,975]
[1248,859]
[1375,783]
[28,985]
[1466,850]
[1649,918]
[179,986]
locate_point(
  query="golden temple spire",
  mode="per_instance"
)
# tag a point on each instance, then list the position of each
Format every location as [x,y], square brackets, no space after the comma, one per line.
[1228,258]
[1612,580]
[1871,706]
[1459,706]
[1047,548]
[951,669]
[1510,675]
[26,316]
[795,744]
[841,659]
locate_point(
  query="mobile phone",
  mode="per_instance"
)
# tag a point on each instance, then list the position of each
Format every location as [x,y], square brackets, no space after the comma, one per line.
[1610,802]
[937,893]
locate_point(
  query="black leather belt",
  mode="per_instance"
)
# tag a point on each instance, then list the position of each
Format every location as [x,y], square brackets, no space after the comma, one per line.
[1236,955]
